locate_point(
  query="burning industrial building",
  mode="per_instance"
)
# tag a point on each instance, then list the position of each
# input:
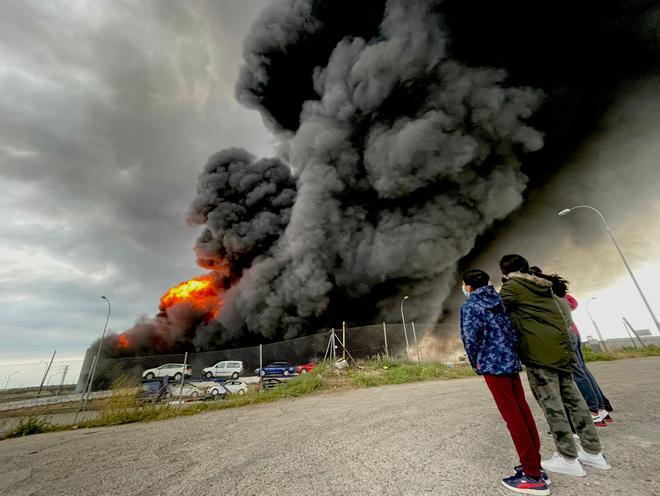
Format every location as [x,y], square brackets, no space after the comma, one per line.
[406,129]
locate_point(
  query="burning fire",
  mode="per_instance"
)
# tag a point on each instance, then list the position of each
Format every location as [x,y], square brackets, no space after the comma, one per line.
[200,291]
[123,342]
[182,309]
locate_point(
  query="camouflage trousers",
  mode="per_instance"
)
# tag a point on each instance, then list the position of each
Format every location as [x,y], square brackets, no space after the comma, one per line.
[557,395]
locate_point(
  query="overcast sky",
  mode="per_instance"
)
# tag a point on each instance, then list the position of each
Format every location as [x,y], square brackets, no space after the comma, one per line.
[108,111]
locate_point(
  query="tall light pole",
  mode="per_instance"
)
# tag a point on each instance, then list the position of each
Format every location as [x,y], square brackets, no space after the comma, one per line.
[96,360]
[593,322]
[403,319]
[625,262]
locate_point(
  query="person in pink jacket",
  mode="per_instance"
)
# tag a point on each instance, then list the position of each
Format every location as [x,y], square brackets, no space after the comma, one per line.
[604,406]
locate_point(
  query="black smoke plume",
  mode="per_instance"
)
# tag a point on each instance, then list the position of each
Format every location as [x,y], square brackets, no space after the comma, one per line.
[405,129]
[402,157]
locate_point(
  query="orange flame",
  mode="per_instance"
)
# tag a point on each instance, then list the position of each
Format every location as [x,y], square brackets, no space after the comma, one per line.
[123,342]
[200,291]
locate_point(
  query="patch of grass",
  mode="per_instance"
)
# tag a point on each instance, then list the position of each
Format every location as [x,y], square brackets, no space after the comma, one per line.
[29,425]
[382,372]
[619,354]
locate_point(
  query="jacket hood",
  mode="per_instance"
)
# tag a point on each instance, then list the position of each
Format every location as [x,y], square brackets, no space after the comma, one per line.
[486,297]
[535,284]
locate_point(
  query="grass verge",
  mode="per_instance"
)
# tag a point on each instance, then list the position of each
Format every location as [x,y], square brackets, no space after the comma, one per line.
[26,426]
[620,354]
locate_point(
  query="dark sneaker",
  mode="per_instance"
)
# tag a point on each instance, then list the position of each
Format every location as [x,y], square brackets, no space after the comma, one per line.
[518,470]
[526,485]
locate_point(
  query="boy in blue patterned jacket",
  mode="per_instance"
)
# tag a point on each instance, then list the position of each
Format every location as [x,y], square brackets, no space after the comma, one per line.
[490,343]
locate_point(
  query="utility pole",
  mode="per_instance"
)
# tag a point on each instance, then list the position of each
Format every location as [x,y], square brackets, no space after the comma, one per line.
[46,373]
[66,369]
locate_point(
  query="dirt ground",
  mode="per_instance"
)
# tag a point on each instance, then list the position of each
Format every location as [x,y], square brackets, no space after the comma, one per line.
[440,438]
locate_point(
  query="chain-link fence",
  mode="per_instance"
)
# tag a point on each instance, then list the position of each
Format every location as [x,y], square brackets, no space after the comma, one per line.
[203,364]
[20,381]
[423,342]
[38,385]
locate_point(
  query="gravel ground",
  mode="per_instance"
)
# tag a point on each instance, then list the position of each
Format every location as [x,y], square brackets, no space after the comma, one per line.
[440,438]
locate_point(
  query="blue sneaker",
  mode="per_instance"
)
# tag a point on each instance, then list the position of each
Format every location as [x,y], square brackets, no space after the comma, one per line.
[522,484]
[518,469]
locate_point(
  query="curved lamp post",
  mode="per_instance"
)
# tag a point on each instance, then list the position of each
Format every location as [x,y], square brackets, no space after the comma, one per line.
[96,359]
[403,319]
[623,258]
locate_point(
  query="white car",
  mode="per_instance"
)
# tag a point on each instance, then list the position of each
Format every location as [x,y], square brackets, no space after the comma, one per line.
[228,368]
[218,391]
[168,369]
[236,387]
[189,390]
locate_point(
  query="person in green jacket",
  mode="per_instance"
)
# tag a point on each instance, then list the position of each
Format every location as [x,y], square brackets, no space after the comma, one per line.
[545,349]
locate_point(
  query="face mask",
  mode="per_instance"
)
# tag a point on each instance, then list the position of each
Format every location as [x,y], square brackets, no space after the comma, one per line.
[465,292]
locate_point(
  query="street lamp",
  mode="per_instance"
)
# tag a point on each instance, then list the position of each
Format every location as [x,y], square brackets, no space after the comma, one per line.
[593,322]
[403,319]
[96,359]
[625,262]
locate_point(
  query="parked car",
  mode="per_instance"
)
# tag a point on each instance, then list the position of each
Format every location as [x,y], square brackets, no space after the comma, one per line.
[236,387]
[170,369]
[276,368]
[272,382]
[228,368]
[189,390]
[219,391]
[304,368]
[153,390]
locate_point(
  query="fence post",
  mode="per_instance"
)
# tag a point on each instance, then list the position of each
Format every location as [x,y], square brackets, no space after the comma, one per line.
[343,340]
[85,395]
[261,365]
[183,377]
[415,338]
[46,373]
[625,326]
[387,353]
[634,332]
[66,369]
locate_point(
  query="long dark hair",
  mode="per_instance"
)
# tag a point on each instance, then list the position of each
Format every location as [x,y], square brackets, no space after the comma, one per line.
[559,284]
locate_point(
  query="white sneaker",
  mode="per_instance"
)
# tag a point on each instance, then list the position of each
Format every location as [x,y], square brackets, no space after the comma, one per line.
[603,413]
[598,420]
[595,461]
[562,465]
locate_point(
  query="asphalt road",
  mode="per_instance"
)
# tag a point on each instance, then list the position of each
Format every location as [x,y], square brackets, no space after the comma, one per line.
[440,438]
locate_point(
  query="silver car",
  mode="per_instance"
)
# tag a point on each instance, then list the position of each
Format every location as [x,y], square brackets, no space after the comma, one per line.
[227,368]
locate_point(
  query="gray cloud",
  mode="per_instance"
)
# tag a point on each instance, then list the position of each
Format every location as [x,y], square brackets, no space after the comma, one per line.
[106,110]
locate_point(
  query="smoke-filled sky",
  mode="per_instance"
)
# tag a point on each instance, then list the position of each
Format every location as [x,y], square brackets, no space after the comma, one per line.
[109,111]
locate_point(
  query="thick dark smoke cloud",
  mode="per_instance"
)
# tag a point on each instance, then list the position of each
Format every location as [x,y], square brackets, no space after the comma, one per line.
[405,132]
[402,157]
[245,204]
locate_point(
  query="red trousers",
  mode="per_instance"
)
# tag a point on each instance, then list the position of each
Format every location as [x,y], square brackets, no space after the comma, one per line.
[509,397]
